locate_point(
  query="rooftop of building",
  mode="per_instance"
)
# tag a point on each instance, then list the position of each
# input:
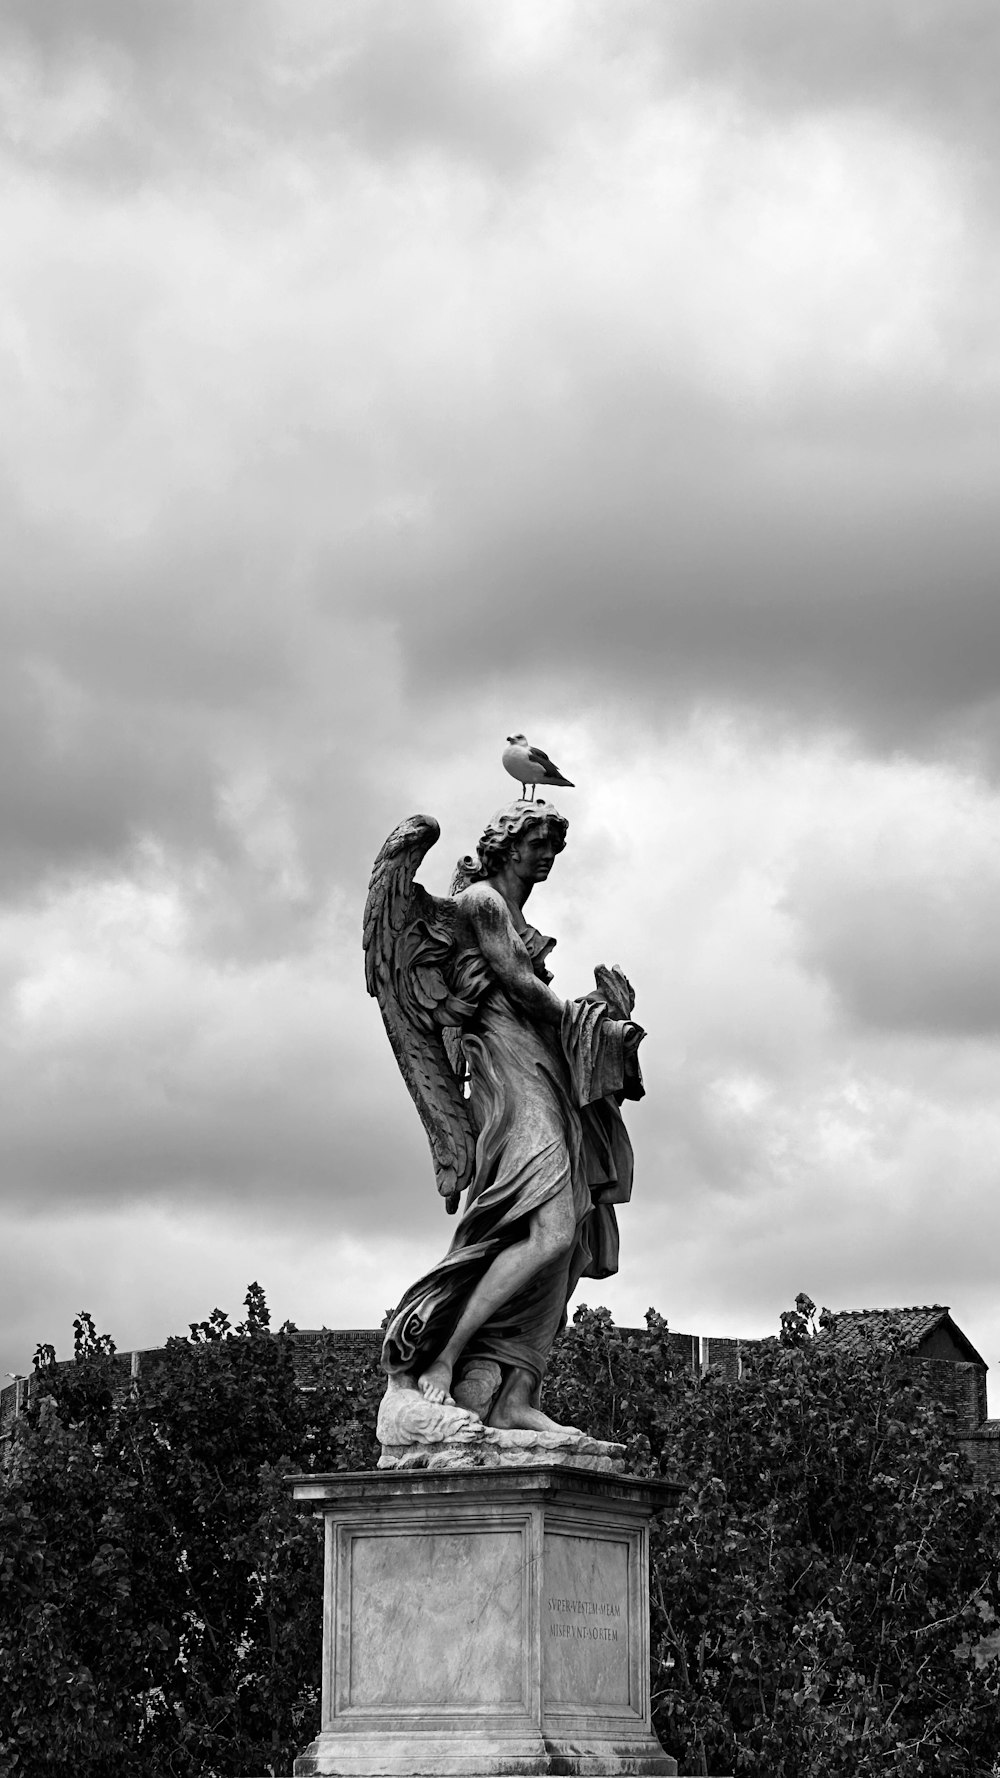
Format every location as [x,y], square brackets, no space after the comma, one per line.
[917,1325]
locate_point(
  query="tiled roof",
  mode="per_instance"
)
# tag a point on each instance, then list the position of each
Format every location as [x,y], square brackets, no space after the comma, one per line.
[854,1327]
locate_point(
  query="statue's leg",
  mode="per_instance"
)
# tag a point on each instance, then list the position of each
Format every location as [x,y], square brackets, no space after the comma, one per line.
[551,1233]
[516,1409]
[477,1385]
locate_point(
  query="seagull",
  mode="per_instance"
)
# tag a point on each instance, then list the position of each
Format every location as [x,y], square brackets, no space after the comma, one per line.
[529,765]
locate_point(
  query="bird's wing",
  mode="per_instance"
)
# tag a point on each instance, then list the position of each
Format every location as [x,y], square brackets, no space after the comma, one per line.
[412,970]
[538,758]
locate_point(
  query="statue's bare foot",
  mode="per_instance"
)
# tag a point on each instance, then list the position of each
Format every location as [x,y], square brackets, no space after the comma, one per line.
[435,1383]
[518,1416]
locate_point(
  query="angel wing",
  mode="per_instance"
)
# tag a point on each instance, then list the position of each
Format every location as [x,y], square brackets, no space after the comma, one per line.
[413,971]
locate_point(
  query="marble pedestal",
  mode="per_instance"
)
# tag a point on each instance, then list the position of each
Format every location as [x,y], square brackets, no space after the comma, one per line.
[485,1622]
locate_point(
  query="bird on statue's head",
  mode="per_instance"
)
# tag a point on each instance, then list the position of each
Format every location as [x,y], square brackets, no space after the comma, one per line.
[529,765]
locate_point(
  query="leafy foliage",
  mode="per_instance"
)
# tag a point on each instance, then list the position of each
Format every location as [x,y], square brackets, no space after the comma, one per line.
[159,1602]
[820,1599]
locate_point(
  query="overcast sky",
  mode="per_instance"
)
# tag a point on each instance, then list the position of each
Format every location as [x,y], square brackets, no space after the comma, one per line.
[378,379]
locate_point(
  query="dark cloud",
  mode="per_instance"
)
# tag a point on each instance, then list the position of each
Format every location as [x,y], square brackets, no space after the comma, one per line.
[907,944]
[177,86]
[499,90]
[848,583]
[138,28]
[134,1075]
[111,92]
[932,64]
[841,586]
[435,79]
[827,546]
[385,378]
[81,785]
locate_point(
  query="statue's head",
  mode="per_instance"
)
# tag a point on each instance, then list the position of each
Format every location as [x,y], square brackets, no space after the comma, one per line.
[518,821]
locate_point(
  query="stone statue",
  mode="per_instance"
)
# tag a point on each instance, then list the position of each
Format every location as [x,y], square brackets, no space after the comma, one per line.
[520,1094]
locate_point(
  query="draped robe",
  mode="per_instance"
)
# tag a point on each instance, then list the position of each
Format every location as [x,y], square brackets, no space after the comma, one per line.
[544,1101]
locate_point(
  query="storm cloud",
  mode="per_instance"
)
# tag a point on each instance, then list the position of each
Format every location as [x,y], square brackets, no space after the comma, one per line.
[377,381]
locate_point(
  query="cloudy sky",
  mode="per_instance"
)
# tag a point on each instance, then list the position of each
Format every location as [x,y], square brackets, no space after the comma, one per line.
[377,379]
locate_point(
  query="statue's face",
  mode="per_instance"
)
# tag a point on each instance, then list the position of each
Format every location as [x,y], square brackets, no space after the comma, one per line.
[534,854]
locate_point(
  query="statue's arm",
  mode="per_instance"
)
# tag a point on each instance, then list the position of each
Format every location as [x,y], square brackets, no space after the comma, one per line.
[508,958]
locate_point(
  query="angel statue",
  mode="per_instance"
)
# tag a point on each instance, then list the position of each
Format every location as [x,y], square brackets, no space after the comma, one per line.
[520,1093]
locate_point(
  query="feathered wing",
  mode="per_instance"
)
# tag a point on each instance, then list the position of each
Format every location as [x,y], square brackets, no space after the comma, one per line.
[411,970]
[538,758]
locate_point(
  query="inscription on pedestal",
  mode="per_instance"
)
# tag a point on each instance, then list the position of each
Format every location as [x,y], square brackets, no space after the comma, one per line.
[585,1623]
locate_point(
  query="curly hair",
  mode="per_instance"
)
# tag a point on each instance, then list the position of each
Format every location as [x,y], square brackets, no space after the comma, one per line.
[501,836]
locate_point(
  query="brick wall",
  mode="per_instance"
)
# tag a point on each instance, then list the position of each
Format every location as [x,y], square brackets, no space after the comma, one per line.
[12,1400]
[690,1354]
[684,1353]
[960,1388]
[725,1356]
[982,1448]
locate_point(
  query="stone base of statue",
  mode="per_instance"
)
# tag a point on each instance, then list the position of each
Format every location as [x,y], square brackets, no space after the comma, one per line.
[485,1621]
